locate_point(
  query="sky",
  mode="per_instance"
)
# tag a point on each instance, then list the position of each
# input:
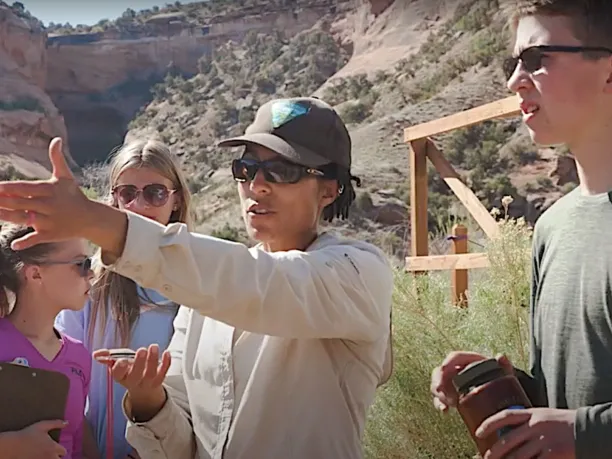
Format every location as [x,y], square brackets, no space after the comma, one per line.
[87,12]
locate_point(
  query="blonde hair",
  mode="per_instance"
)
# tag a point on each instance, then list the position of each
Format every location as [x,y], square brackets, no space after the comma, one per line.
[110,288]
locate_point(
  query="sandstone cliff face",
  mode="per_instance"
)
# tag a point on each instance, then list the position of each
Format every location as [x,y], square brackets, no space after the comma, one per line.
[99,84]
[28,117]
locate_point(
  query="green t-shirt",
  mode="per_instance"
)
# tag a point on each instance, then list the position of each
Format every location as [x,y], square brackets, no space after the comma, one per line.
[571,316]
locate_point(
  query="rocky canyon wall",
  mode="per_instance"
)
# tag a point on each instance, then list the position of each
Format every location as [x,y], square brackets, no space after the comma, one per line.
[28,117]
[87,87]
[99,87]
[99,84]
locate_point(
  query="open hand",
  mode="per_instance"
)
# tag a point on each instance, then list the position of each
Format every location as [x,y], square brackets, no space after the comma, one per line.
[142,376]
[444,393]
[33,442]
[537,433]
[56,208]
[143,373]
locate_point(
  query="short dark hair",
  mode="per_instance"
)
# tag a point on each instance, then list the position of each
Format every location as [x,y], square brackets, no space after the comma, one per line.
[589,19]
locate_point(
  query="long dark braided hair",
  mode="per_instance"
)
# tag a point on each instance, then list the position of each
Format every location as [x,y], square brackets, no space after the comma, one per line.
[340,207]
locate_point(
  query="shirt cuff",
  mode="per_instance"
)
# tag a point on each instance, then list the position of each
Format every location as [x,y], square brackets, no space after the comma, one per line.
[161,425]
[142,239]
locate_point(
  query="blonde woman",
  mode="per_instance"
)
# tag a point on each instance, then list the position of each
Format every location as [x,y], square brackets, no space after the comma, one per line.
[145,179]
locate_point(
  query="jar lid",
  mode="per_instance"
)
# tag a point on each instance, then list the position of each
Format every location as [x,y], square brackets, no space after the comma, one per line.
[476,374]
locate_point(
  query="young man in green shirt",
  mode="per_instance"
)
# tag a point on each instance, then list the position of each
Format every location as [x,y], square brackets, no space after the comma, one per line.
[562,74]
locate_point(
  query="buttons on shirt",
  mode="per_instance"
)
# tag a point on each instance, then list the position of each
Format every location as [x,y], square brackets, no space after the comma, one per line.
[167,288]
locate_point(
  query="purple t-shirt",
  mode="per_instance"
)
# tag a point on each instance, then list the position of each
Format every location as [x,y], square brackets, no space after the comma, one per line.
[73,360]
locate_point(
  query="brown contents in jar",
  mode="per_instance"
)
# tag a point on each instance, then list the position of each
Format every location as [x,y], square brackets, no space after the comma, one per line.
[485,389]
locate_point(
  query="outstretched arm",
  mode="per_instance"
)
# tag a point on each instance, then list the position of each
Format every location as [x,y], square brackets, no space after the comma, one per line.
[336,291]
[344,292]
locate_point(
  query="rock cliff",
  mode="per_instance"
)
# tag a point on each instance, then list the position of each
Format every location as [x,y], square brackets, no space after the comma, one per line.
[99,83]
[28,117]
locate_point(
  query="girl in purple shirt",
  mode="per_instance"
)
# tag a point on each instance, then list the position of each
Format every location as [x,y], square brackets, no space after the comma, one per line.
[42,281]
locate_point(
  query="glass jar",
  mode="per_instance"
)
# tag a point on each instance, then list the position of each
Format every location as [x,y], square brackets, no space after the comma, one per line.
[484,389]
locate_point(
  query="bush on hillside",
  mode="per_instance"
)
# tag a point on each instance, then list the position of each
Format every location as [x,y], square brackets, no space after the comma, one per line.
[403,422]
[230,233]
[9,173]
[22,103]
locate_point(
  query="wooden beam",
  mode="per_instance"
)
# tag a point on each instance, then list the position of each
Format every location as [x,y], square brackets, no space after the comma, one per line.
[502,108]
[447,262]
[418,199]
[459,277]
[462,191]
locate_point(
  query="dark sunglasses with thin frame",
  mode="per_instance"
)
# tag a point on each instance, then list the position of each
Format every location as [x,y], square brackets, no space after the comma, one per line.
[84,265]
[154,194]
[274,170]
[531,58]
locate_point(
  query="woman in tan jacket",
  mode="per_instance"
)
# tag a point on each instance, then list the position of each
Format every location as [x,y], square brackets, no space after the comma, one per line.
[279,348]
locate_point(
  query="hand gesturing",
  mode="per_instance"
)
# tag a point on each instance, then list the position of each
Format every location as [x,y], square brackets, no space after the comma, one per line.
[56,208]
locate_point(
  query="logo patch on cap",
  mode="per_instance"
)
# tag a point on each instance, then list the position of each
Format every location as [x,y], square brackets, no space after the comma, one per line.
[284,111]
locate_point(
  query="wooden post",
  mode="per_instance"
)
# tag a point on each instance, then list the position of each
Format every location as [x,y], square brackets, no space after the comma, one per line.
[459,277]
[418,199]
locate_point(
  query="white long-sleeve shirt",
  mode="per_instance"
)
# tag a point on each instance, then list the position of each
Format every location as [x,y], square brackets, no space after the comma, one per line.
[275,355]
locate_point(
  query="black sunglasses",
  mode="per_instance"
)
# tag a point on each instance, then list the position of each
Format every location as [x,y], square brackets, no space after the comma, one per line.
[84,266]
[531,57]
[155,194]
[274,170]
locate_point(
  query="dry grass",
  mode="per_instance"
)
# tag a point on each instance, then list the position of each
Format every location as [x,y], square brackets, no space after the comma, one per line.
[403,422]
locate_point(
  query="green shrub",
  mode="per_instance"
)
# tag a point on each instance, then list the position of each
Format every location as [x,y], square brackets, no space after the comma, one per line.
[9,173]
[355,112]
[22,103]
[403,422]
[229,233]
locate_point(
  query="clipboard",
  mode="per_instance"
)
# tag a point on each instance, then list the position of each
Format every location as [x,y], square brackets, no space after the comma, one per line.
[30,395]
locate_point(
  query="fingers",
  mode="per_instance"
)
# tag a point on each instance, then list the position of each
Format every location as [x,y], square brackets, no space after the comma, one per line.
[505,418]
[516,443]
[143,371]
[21,188]
[101,355]
[60,450]
[19,217]
[442,387]
[46,426]
[163,369]
[440,405]
[39,205]
[30,240]
[460,359]
[138,367]
[504,361]
[443,394]
[152,363]
[58,160]
[120,370]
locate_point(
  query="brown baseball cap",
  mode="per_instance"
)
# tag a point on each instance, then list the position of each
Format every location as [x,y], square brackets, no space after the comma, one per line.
[304,130]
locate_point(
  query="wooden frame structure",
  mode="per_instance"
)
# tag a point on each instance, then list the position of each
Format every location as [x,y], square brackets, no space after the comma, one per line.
[421,149]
